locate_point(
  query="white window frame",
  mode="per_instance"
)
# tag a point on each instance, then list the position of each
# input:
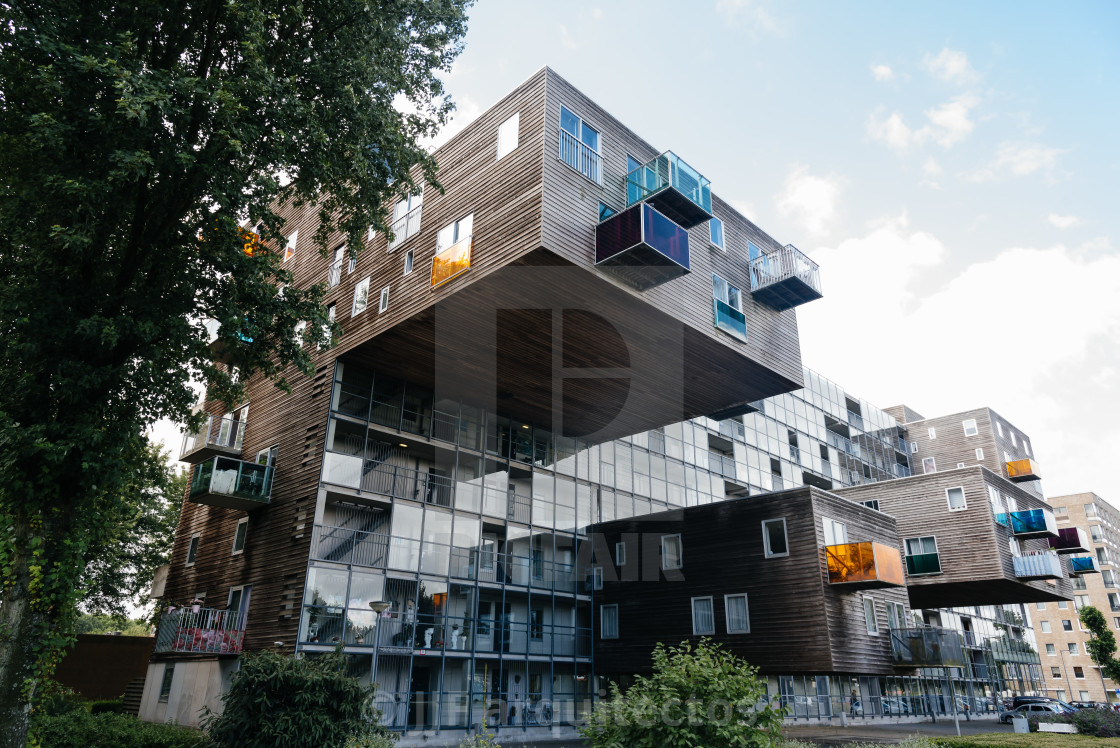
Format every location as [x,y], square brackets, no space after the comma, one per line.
[970,423]
[726,296]
[838,531]
[241,523]
[722,243]
[332,310]
[979,453]
[767,552]
[192,548]
[507,135]
[290,248]
[949,501]
[597,150]
[620,553]
[383,300]
[1044,627]
[913,448]
[999,428]
[361,297]
[870,617]
[727,613]
[602,627]
[1051,650]
[933,464]
[1014,441]
[896,615]
[711,603]
[597,578]
[932,433]
[960,464]
[680,552]
[457,232]
[1072,649]
[297,336]
[409,261]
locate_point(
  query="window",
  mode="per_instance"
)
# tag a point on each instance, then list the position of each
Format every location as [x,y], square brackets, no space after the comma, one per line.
[1116,621]
[896,615]
[1106,577]
[455,232]
[1080,601]
[1083,695]
[597,578]
[932,433]
[165,684]
[921,546]
[729,320]
[327,327]
[738,615]
[1072,648]
[407,213]
[999,428]
[297,338]
[605,212]
[1040,606]
[1114,601]
[507,135]
[1078,671]
[928,465]
[970,427]
[1062,604]
[835,533]
[1014,441]
[620,554]
[536,624]
[1055,672]
[1045,626]
[956,499]
[703,617]
[1026,447]
[1013,544]
[239,535]
[913,448]
[1061,511]
[871,504]
[1090,510]
[774,540]
[1067,624]
[383,304]
[290,249]
[1102,556]
[361,297]
[996,503]
[715,233]
[409,259]
[1050,650]
[351,265]
[1078,583]
[334,272]
[869,616]
[192,549]
[671,552]
[608,621]
[960,464]
[579,145]
[979,453]
[1095,533]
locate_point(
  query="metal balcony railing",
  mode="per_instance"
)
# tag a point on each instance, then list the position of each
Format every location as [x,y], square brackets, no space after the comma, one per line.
[1038,565]
[231,483]
[204,631]
[785,278]
[219,435]
[405,227]
[580,157]
[334,273]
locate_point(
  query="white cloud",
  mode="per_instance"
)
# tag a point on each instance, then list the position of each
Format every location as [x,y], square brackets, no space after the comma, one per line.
[1017,160]
[1063,222]
[466,111]
[566,39]
[810,200]
[892,131]
[747,209]
[882,72]
[751,13]
[931,168]
[597,13]
[948,125]
[950,65]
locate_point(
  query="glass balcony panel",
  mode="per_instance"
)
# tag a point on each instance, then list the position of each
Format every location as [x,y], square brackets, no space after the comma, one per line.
[1038,565]
[643,247]
[1033,523]
[1023,470]
[785,278]
[451,262]
[674,187]
[868,564]
[232,483]
[926,647]
[1070,540]
[923,563]
[1084,565]
[218,436]
[730,320]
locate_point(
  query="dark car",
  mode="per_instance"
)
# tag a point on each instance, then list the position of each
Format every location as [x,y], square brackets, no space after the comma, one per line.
[1089,705]
[1037,709]
[1020,700]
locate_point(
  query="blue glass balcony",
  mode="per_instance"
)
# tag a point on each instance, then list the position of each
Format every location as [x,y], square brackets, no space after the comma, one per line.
[674,187]
[1033,523]
[785,278]
[642,247]
[1084,565]
[1070,540]
[232,483]
[730,320]
[1039,565]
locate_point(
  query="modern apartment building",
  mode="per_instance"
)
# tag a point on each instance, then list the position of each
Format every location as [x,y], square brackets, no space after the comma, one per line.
[1091,525]
[518,362]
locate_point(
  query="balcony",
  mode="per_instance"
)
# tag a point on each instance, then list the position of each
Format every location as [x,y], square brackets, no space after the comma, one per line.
[219,436]
[201,631]
[730,320]
[722,464]
[334,273]
[923,564]
[452,262]
[1013,650]
[865,564]
[785,278]
[405,227]
[926,647]
[232,483]
[1070,540]
[1020,471]
[673,187]
[1031,523]
[1038,565]
[1084,565]
[642,247]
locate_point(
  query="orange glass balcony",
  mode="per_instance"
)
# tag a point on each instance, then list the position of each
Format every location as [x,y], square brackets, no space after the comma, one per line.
[1019,471]
[867,564]
[451,262]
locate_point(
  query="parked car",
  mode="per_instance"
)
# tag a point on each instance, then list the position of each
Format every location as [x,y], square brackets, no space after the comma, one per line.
[1089,705]
[1036,708]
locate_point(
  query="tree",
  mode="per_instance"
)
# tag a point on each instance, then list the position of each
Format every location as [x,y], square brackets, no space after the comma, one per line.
[695,697]
[100,623]
[134,141]
[1102,642]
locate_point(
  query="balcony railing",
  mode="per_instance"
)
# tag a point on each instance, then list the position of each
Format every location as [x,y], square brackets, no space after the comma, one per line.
[334,273]
[926,647]
[580,157]
[866,564]
[922,564]
[730,320]
[642,247]
[231,483]
[1084,565]
[721,464]
[678,190]
[1030,523]
[451,262]
[1023,470]
[221,435]
[205,631]
[1038,565]
[406,226]
[1070,540]
[1013,650]
[785,278]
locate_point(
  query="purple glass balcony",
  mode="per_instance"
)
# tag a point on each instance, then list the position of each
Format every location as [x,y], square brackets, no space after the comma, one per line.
[1070,540]
[641,247]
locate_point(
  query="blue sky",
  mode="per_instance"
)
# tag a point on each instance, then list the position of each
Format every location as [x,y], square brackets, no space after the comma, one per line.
[952,167]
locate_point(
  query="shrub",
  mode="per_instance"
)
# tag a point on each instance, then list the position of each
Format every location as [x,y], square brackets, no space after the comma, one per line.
[52,698]
[80,729]
[1096,722]
[698,697]
[106,706]
[482,739]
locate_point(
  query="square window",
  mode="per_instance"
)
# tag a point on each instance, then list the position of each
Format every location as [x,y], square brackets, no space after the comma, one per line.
[960,464]
[715,233]
[738,616]
[774,538]
[835,533]
[608,621]
[869,616]
[703,616]
[1040,606]
[383,304]
[1062,604]
[1045,625]
[507,135]
[671,552]
[620,554]
[1055,672]
[1078,672]
[192,549]
[1050,650]
[1072,647]
[409,258]
[361,297]
[970,428]
[239,534]
[956,499]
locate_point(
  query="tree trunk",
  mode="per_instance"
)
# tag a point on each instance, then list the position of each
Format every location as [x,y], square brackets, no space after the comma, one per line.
[18,623]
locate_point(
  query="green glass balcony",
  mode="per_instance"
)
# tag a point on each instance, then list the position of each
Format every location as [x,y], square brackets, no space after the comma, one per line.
[730,320]
[1084,565]
[921,564]
[673,187]
[232,484]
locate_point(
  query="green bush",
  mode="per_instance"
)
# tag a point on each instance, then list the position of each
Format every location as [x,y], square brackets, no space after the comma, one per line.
[279,701]
[80,729]
[106,706]
[52,699]
[1033,740]
[481,739]
[1095,722]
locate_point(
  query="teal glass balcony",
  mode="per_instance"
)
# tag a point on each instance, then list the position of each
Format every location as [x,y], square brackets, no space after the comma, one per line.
[1070,540]
[926,647]
[1033,523]
[1039,565]
[921,564]
[642,247]
[1084,565]
[673,187]
[232,484]
[785,278]
[730,320]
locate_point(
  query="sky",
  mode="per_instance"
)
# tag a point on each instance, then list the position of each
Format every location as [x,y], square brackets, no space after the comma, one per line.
[952,167]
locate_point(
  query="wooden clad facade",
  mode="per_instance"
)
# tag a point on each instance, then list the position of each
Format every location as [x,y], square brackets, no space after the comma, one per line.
[799,623]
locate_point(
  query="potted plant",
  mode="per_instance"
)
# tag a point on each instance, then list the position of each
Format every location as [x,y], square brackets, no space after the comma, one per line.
[196,605]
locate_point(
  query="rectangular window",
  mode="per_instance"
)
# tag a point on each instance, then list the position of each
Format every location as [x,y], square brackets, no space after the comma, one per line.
[729,308]
[597,578]
[1062,511]
[1090,510]
[334,272]
[703,617]
[913,448]
[1116,621]
[297,337]
[956,499]
[1071,647]
[869,616]
[1102,556]
[727,293]
[871,504]
[671,552]
[960,464]
[999,428]
[409,258]
[239,535]
[1067,624]
[383,304]
[835,533]
[896,615]
[361,297]
[1051,651]
[1045,626]
[929,465]
[1114,601]
[1040,606]
[620,554]
[1062,605]
[327,327]
[1027,447]
[738,615]
[608,621]
[579,145]
[932,433]
[715,233]
[970,427]
[1055,672]
[921,546]
[290,249]
[979,453]
[1095,533]
[407,213]
[1014,441]
[1078,671]
[165,684]
[536,624]
[507,135]
[192,549]
[774,538]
